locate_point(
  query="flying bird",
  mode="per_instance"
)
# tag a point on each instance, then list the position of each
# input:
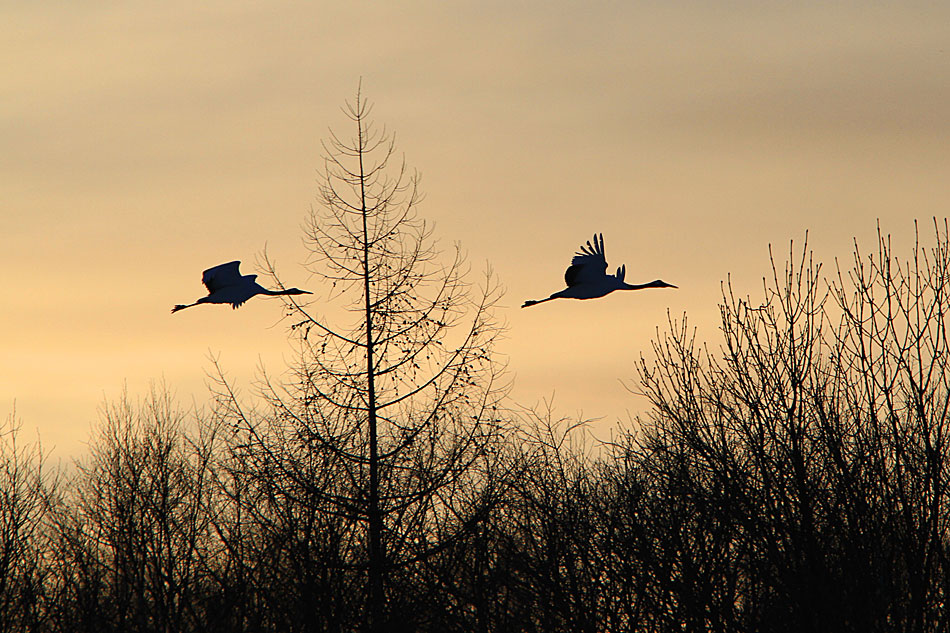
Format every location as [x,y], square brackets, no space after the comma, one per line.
[226,284]
[587,276]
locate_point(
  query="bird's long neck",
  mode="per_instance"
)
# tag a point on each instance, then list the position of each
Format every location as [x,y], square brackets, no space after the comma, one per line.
[277,293]
[653,284]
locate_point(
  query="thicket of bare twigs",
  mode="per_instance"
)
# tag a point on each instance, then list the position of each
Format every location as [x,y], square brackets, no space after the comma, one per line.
[792,478]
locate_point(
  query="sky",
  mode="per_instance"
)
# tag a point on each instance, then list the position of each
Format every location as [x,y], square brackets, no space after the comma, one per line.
[142,142]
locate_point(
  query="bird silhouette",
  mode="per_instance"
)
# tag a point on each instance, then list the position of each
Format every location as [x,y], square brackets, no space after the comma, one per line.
[587,276]
[226,284]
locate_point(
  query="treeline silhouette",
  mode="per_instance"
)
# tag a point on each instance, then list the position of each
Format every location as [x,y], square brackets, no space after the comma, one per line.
[793,478]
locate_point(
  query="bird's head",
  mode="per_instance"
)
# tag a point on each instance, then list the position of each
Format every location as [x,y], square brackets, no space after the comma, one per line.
[297,291]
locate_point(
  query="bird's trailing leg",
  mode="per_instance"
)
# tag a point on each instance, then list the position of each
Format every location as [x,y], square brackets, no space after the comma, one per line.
[532,302]
[182,307]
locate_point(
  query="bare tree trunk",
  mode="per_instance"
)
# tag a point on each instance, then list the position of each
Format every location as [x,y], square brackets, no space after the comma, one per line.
[377,555]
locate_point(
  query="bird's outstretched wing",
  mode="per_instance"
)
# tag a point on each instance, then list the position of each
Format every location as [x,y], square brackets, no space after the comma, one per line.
[221,276]
[588,264]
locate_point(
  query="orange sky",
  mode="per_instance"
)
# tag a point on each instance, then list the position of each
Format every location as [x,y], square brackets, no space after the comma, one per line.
[143,142]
